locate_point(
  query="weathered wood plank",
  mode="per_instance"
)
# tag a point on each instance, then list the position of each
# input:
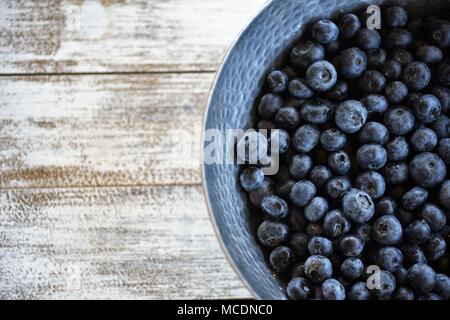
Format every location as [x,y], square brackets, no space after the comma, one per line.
[126,242]
[62,36]
[65,131]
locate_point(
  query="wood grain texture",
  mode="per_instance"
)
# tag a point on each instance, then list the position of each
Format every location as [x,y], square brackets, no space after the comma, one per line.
[65,131]
[113,243]
[62,36]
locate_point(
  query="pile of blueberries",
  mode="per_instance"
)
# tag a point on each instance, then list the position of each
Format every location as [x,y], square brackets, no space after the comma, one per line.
[360,206]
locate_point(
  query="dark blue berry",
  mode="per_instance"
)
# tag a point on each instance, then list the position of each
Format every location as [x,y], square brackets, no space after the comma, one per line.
[399,120]
[442,286]
[269,105]
[339,92]
[435,247]
[274,207]
[272,234]
[429,54]
[299,289]
[283,188]
[444,149]
[336,187]
[316,209]
[389,259]
[349,25]
[317,111]
[332,289]
[333,139]
[352,268]
[391,69]
[302,193]
[396,172]
[287,118]
[400,275]
[387,230]
[418,232]
[416,75]
[421,277]
[397,149]
[402,56]
[251,178]
[300,89]
[277,81]
[299,244]
[386,285]
[314,229]
[352,62]
[256,196]
[414,198]
[350,116]
[430,296]
[320,246]
[443,74]
[298,271]
[282,141]
[395,17]
[403,293]
[396,92]
[306,138]
[385,205]
[441,35]
[358,206]
[359,291]
[300,166]
[434,216]
[373,132]
[424,139]
[376,58]
[324,31]
[372,183]
[318,268]
[281,259]
[398,38]
[427,169]
[335,224]
[443,94]
[444,195]
[375,103]
[319,175]
[413,254]
[427,108]
[306,53]
[372,81]
[339,162]
[350,245]
[371,156]
[321,76]
[368,39]
[442,127]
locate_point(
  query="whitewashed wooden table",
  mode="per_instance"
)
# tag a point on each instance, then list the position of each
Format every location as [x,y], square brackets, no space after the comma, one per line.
[99,101]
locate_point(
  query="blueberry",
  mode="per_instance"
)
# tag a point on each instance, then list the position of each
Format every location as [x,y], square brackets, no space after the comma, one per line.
[442,286]
[281,258]
[427,108]
[402,56]
[333,47]
[277,81]
[299,244]
[319,175]
[300,166]
[413,254]
[333,139]
[368,39]
[398,38]
[269,105]
[349,25]
[274,207]
[414,198]
[424,139]
[434,216]
[299,89]
[441,35]
[444,149]
[316,209]
[416,75]
[443,94]
[350,116]
[272,234]
[336,187]
[371,156]
[375,103]
[299,289]
[352,268]
[318,269]
[397,149]
[306,138]
[416,25]
[435,247]
[324,31]
[403,293]
[443,74]
[396,92]
[395,17]
[430,296]
[386,285]
[387,230]
[251,178]
[314,229]
[298,271]
[284,140]
[302,193]
[320,246]
[350,246]
[287,118]
[442,127]
[335,223]
[352,62]
[332,289]
[372,183]
[359,291]
[421,277]
[385,205]
[396,172]
[321,76]
[266,124]
[418,232]
[376,58]
[283,188]
[372,81]
[256,196]
[427,169]
[429,54]
[391,70]
[389,258]
[339,162]
[373,132]
[358,206]
[252,147]
[339,92]
[444,195]
[399,120]
[317,111]
[412,98]
[306,53]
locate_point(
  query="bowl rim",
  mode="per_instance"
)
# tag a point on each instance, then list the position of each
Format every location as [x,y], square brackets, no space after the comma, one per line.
[217,74]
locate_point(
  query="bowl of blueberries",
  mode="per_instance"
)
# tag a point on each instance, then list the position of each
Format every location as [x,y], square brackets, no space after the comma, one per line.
[349,101]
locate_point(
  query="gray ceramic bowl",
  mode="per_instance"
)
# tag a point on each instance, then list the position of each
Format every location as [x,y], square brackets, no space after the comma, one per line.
[260,47]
